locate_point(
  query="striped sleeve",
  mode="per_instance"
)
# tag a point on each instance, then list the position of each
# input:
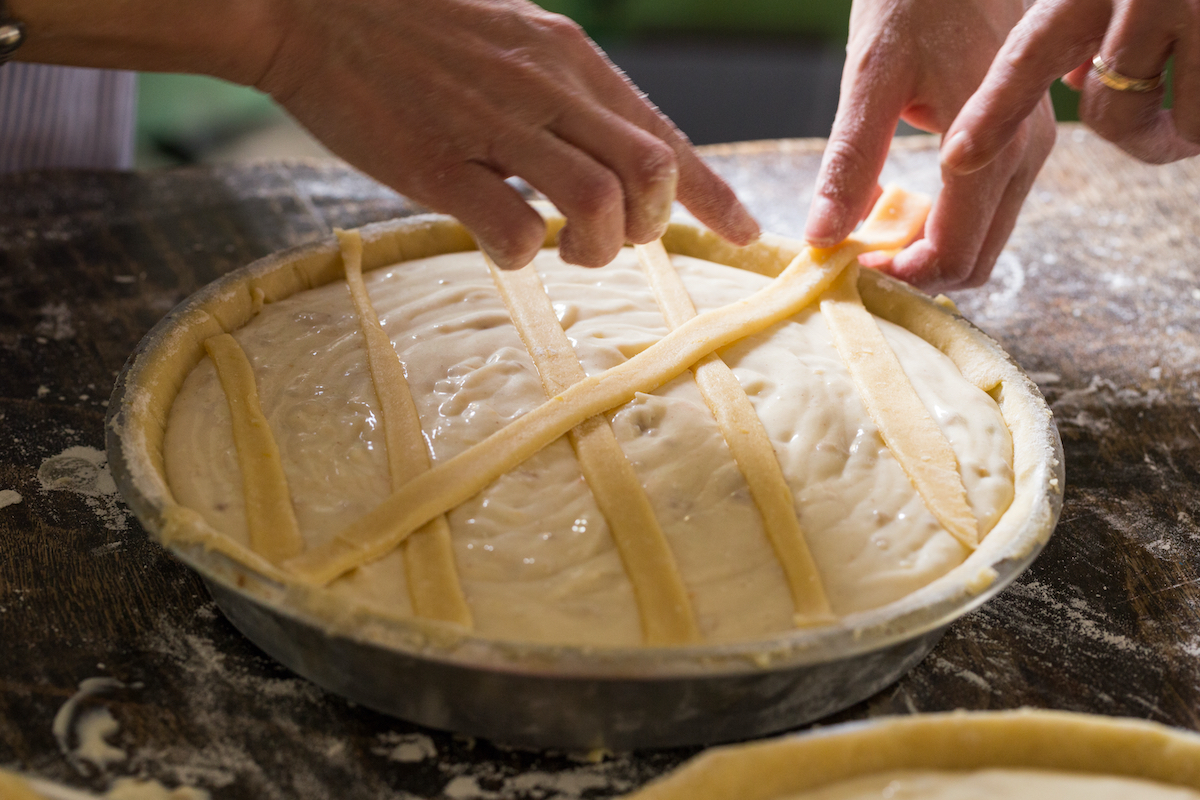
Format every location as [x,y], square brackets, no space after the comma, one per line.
[65,117]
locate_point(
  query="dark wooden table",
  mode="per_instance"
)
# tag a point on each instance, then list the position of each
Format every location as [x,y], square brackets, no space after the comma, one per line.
[1097,296]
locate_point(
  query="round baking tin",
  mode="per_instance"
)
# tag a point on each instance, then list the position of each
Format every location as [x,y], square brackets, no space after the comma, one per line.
[546,695]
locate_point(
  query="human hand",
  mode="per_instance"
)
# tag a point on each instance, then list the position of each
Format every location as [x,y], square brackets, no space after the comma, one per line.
[920,60]
[444,99]
[1133,37]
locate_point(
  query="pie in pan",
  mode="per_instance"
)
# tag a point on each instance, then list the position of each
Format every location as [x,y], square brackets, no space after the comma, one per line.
[697,460]
[1009,755]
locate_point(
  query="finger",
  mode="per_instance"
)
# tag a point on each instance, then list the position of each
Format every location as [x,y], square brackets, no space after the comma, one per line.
[1051,39]
[868,109]
[643,163]
[503,224]
[958,223]
[699,188]
[1077,76]
[876,193]
[711,201]
[1007,211]
[1137,46]
[931,262]
[1186,83]
[587,193]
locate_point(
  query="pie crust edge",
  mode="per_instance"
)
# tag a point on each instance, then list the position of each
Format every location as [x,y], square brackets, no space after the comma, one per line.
[164,358]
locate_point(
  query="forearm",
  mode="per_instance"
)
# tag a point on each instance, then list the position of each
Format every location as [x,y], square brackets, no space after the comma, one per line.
[232,39]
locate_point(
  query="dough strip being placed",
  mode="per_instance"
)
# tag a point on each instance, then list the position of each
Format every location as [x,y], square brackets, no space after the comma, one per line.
[270,518]
[903,421]
[433,583]
[748,442]
[666,612]
[896,219]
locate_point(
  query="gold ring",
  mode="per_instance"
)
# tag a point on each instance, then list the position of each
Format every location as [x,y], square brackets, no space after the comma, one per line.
[1123,83]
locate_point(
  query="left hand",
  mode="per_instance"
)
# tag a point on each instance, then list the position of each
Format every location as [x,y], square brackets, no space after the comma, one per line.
[444,99]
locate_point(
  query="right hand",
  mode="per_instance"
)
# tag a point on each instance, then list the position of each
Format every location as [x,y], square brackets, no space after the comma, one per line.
[1134,37]
[920,60]
[444,99]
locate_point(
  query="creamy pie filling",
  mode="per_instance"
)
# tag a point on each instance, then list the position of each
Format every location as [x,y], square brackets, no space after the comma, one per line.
[995,784]
[533,552]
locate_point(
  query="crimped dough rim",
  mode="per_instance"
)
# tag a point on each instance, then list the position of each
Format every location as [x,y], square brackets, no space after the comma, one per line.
[960,740]
[155,372]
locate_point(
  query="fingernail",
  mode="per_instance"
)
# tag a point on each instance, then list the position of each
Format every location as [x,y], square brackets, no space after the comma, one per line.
[660,217]
[956,153]
[825,220]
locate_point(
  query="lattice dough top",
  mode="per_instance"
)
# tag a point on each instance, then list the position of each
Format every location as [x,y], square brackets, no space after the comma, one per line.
[746,496]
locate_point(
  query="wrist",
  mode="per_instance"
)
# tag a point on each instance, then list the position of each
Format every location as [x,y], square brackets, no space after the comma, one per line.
[230,39]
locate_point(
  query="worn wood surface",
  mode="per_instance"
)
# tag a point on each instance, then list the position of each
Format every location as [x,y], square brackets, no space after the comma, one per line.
[1097,296]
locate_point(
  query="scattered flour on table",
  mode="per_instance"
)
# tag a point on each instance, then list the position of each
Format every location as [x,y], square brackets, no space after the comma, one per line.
[9,498]
[948,667]
[489,782]
[232,708]
[84,471]
[407,748]
[1079,616]
[1191,647]
[93,729]
[83,736]
[1009,277]
[55,322]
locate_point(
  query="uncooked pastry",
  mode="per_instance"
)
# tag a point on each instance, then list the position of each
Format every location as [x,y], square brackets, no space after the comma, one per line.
[994,784]
[961,749]
[584,596]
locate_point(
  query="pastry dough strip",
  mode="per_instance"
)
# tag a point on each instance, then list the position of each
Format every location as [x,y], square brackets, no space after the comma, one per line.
[749,443]
[14,787]
[902,419]
[666,611]
[896,219]
[433,583]
[270,518]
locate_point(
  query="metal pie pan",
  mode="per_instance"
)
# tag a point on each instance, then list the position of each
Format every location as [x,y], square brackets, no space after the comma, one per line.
[546,695]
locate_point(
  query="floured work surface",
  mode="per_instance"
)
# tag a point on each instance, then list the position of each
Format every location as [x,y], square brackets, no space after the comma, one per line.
[1103,622]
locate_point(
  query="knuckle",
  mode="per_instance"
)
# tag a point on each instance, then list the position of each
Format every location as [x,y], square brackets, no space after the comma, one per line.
[563,29]
[655,164]
[432,183]
[1021,59]
[844,162]
[596,195]
[512,243]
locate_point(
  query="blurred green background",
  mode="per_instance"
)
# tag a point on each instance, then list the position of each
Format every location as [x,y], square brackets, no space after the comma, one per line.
[723,71]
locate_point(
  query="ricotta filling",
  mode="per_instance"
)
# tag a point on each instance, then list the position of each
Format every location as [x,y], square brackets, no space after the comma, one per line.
[534,554]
